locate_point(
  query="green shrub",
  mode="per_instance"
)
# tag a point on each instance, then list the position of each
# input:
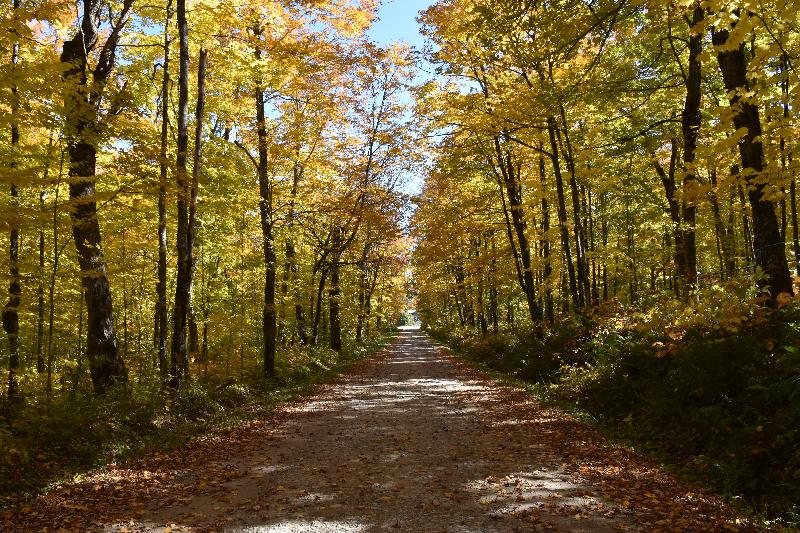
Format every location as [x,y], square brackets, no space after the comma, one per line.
[717,397]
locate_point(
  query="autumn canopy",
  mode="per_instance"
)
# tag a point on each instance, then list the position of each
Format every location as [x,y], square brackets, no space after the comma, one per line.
[203,192]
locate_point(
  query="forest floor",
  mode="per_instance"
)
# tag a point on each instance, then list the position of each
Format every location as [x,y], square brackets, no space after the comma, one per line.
[410,440]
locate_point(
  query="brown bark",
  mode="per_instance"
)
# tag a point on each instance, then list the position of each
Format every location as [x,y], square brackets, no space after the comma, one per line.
[363,281]
[578,226]
[316,305]
[293,269]
[161,318]
[795,236]
[562,212]
[724,231]
[516,226]
[269,311]
[196,168]
[40,367]
[334,291]
[178,351]
[370,291]
[10,311]
[604,239]
[769,249]
[545,244]
[671,191]
[81,101]
[690,125]
[788,158]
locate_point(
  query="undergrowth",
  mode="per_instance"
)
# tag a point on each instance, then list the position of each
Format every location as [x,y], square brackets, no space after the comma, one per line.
[41,445]
[710,388]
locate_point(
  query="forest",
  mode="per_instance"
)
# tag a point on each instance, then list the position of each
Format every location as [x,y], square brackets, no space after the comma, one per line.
[189,191]
[208,205]
[610,212]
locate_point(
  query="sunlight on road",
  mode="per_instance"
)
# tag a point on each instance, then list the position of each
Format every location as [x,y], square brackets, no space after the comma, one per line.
[304,526]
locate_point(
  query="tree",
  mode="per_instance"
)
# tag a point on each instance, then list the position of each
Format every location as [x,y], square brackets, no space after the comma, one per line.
[769,249]
[85,89]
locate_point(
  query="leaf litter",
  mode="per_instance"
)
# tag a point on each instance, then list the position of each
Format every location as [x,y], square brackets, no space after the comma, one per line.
[410,440]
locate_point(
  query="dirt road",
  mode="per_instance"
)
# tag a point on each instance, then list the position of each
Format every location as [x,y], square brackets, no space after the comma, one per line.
[411,440]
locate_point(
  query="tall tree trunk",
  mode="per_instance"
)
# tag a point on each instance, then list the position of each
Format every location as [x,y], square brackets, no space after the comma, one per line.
[589,207]
[795,232]
[784,158]
[671,191]
[562,212]
[333,299]
[631,246]
[769,250]
[578,226]
[10,311]
[368,299]
[514,214]
[548,266]
[124,298]
[161,319]
[40,367]
[51,297]
[299,312]
[317,306]
[197,164]
[81,99]
[292,268]
[269,312]
[363,281]
[604,239]
[484,326]
[748,234]
[690,125]
[178,361]
[493,313]
[724,232]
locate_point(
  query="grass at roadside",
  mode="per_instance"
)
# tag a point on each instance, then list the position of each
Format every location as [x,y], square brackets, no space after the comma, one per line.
[41,448]
[719,407]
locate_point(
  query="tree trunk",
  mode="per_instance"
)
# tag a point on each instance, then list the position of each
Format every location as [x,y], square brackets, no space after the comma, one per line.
[769,250]
[161,319]
[317,306]
[40,367]
[724,232]
[370,291]
[690,125]
[124,299]
[562,212]
[670,189]
[516,221]
[589,207]
[548,267]
[604,240]
[333,309]
[578,230]
[81,124]
[269,314]
[363,280]
[795,236]
[178,362]
[10,311]
[197,164]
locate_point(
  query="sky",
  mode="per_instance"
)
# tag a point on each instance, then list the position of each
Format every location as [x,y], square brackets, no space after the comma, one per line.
[397,22]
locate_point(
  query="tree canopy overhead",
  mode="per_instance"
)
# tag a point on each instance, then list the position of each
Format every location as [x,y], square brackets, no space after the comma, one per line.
[202,195]
[633,147]
[221,170]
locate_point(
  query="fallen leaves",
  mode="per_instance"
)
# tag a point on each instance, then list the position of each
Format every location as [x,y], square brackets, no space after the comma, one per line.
[498,460]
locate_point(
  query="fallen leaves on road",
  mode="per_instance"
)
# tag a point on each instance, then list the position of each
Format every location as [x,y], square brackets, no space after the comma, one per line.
[412,441]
